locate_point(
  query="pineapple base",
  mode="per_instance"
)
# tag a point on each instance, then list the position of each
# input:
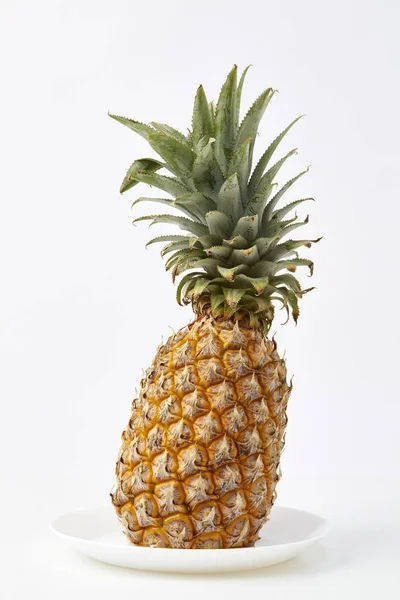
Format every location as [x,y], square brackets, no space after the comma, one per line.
[199,461]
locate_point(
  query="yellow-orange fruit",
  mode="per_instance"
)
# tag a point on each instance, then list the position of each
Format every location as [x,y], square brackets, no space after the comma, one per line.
[199,460]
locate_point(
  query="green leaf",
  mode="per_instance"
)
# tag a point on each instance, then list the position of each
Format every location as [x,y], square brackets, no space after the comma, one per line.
[199,287]
[274,201]
[136,126]
[268,177]
[180,255]
[292,227]
[225,121]
[258,283]
[264,244]
[182,222]
[266,157]
[263,268]
[258,201]
[282,250]
[178,157]
[239,96]
[290,299]
[216,301]
[238,282]
[171,132]
[207,175]
[196,203]
[209,264]
[233,296]
[247,256]
[279,214]
[168,238]
[184,282]
[185,264]
[287,279]
[222,253]
[170,203]
[229,199]
[202,122]
[237,242]
[275,227]
[219,224]
[250,123]
[210,240]
[143,164]
[292,264]
[212,112]
[171,185]
[263,302]
[229,274]
[173,246]
[247,227]
[240,164]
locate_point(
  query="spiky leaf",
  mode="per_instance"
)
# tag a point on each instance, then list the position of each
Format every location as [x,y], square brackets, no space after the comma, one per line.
[289,228]
[171,204]
[202,120]
[182,222]
[229,274]
[240,164]
[196,203]
[170,185]
[286,248]
[250,123]
[247,227]
[143,164]
[282,212]
[239,96]
[274,201]
[247,256]
[220,252]
[210,265]
[168,238]
[171,132]
[230,200]
[199,287]
[259,200]
[173,246]
[184,282]
[269,176]
[237,242]
[140,128]
[207,175]
[179,157]
[266,157]
[180,254]
[233,296]
[287,279]
[225,120]
[292,264]
[264,244]
[258,283]
[219,224]
[210,240]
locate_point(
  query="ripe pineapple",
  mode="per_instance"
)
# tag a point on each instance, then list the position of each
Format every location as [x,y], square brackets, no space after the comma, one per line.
[199,460]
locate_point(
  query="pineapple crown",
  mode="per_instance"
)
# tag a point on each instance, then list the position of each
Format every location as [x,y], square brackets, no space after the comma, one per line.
[233,259]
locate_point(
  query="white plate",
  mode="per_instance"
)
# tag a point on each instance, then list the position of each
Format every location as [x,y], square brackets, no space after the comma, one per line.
[97,533]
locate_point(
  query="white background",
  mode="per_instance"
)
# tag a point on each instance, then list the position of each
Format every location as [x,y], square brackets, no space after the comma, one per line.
[83,305]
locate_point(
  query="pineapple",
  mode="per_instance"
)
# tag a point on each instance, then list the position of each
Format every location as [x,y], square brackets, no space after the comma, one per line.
[199,460]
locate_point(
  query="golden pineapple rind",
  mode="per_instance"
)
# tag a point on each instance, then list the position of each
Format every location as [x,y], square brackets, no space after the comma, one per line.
[199,460]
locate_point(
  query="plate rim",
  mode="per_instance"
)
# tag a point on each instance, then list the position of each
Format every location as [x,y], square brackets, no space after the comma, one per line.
[324,526]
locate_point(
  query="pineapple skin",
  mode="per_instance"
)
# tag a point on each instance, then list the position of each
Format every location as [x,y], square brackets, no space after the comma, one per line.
[199,460]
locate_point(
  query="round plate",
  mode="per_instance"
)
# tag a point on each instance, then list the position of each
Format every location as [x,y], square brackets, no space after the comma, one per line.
[97,533]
